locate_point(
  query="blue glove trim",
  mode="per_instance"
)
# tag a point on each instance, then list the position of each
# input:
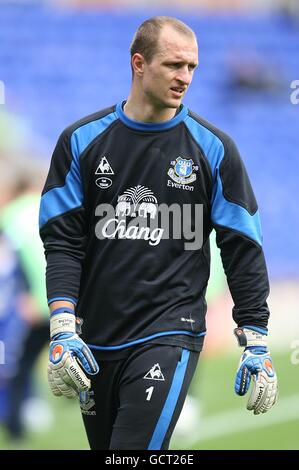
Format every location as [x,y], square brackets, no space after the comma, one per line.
[62,310]
[254,359]
[69,342]
[263,331]
[257,349]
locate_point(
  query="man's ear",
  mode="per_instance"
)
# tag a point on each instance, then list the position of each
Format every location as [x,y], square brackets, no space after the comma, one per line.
[137,63]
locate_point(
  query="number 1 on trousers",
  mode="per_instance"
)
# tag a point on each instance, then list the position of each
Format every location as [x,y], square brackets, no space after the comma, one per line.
[149,392]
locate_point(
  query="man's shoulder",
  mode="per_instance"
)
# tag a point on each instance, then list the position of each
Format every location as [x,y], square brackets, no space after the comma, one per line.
[213,141]
[108,112]
[209,128]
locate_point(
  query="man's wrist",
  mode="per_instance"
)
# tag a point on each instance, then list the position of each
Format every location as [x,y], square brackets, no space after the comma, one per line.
[248,336]
[54,304]
[62,320]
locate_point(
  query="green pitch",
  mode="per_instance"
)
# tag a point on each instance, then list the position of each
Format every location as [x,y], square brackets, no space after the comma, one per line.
[222,421]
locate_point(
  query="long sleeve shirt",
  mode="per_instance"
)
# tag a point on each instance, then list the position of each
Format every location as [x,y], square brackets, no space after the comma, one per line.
[109,251]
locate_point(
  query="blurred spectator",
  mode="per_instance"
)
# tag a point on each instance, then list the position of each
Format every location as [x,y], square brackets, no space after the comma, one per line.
[248,71]
[13,327]
[290,8]
[27,330]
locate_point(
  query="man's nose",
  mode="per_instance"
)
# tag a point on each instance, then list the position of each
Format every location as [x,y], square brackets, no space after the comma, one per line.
[184,75]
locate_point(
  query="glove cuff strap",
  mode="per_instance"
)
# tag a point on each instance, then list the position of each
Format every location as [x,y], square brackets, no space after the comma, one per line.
[246,337]
[64,322]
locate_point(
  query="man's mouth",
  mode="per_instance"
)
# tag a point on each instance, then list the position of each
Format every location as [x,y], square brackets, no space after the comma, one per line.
[178,90]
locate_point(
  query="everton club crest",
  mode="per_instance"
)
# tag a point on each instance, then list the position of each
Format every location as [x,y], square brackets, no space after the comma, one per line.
[183,171]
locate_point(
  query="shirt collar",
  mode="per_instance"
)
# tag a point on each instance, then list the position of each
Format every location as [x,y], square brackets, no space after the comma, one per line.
[151,126]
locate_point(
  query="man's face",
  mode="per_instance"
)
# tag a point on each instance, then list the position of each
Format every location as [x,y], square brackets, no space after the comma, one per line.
[167,77]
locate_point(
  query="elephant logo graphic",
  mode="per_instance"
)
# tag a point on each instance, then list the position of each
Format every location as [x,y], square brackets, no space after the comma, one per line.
[147,208]
[141,203]
[138,200]
[123,208]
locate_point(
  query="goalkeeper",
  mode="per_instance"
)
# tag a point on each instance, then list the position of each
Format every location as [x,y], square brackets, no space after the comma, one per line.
[127,304]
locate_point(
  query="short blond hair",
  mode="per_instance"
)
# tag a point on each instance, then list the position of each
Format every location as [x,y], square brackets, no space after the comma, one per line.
[146,38]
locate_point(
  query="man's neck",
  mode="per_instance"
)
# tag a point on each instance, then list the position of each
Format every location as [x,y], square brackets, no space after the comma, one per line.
[141,110]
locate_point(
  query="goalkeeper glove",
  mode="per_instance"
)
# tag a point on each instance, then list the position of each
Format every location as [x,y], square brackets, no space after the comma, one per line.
[256,363]
[68,355]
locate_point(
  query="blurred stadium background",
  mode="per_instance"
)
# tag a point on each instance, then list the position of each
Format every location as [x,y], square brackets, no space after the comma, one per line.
[61,60]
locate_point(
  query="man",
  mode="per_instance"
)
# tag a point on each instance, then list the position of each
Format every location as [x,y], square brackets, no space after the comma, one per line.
[139,294]
[28,315]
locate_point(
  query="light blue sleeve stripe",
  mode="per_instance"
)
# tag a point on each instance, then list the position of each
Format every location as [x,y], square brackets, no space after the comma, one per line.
[57,201]
[208,142]
[84,135]
[232,215]
[225,213]
[60,200]
[68,299]
[170,404]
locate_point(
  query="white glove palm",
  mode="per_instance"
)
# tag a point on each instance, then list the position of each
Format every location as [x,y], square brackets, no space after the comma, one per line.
[256,363]
[69,357]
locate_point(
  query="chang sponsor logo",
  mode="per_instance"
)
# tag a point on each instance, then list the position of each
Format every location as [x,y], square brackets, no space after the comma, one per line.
[138,216]
[138,203]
